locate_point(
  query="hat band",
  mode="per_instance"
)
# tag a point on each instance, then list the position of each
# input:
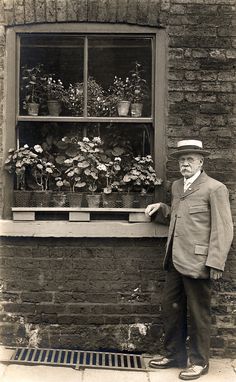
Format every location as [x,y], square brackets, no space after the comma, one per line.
[189,147]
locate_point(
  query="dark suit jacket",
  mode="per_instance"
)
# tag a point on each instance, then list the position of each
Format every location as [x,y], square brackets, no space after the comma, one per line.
[201,227]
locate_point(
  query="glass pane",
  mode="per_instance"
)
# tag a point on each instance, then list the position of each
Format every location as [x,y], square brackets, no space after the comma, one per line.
[49,64]
[119,69]
[57,145]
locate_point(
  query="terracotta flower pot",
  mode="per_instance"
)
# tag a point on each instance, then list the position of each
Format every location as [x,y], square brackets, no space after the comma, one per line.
[54,107]
[93,200]
[136,110]
[75,199]
[110,200]
[145,200]
[42,198]
[123,108]
[58,199]
[22,198]
[128,200]
[33,108]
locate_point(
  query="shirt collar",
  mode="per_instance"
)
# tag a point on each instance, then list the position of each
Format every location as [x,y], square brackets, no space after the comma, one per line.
[193,178]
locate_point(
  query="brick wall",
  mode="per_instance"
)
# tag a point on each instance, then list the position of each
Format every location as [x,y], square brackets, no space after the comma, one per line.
[92,293]
[201,104]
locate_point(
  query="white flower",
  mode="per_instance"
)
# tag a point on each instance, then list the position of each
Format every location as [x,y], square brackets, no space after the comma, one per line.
[118,159]
[85,139]
[101,167]
[38,149]
[97,139]
[26,146]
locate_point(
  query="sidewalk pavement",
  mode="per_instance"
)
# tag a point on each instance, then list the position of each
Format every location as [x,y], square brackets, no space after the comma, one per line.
[221,370]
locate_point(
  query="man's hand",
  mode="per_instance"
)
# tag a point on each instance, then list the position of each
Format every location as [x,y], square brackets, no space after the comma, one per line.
[215,274]
[152,208]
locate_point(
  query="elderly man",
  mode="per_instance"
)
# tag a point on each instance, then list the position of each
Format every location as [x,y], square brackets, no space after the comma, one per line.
[199,239]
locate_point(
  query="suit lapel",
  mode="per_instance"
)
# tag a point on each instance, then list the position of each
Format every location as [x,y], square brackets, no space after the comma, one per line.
[195,185]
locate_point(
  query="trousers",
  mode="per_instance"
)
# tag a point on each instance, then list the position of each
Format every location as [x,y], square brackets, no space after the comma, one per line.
[187,313]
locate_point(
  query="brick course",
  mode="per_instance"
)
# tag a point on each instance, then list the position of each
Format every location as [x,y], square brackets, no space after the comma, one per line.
[109,291]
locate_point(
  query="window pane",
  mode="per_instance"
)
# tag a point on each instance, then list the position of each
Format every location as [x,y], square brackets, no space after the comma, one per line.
[60,56]
[111,60]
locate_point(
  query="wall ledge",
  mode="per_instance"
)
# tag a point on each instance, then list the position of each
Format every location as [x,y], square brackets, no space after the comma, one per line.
[99,228]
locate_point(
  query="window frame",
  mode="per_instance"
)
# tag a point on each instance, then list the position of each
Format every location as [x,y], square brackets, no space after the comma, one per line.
[159,97]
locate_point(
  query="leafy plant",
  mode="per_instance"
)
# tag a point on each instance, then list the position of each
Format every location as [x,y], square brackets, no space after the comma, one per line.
[138,84]
[18,161]
[54,89]
[141,175]
[32,84]
[85,168]
[97,103]
[94,172]
[43,170]
[113,170]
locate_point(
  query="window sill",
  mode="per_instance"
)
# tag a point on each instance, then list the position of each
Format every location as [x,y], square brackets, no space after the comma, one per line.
[48,118]
[102,228]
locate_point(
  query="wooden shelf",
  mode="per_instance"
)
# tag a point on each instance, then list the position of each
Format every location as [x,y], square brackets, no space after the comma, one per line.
[83,214]
[48,118]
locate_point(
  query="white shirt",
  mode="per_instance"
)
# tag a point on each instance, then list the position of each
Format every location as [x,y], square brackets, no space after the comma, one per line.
[189,181]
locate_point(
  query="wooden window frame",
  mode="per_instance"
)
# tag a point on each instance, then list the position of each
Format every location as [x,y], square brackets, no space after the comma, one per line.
[159,92]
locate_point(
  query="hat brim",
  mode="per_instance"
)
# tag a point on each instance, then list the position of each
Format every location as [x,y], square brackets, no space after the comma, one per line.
[178,153]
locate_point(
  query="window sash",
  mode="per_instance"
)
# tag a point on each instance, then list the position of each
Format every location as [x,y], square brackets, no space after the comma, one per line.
[159,77]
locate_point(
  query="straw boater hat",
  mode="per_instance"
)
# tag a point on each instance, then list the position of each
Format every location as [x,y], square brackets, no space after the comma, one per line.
[189,146]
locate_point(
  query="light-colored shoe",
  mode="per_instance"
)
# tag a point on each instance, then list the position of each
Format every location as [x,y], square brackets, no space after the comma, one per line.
[193,372]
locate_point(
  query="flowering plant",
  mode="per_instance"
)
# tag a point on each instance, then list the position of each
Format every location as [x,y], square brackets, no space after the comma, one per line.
[74,100]
[97,101]
[18,161]
[54,88]
[43,169]
[113,170]
[60,182]
[75,163]
[120,90]
[138,84]
[32,84]
[85,168]
[141,175]
[95,169]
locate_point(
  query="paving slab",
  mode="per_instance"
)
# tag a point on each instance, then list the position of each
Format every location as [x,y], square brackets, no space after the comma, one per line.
[221,370]
[95,375]
[38,373]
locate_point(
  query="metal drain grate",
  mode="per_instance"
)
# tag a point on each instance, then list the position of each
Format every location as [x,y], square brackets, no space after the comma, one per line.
[78,359]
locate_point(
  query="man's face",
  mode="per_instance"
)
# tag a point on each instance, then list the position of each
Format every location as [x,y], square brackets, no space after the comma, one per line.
[189,164]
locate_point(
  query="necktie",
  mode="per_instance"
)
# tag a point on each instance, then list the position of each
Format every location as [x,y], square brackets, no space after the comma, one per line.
[187,183]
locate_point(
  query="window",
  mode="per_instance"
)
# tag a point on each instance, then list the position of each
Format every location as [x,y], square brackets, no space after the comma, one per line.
[94,64]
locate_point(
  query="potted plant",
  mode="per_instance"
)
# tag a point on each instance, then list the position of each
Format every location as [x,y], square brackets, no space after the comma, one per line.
[93,168]
[112,181]
[138,86]
[32,89]
[141,177]
[59,197]
[55,93]
[19,162]
[75,164]
[74,99]
[97,102]
[43,171]
[120,96]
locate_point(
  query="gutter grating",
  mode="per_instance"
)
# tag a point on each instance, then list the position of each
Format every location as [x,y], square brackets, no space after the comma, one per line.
[78,359]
